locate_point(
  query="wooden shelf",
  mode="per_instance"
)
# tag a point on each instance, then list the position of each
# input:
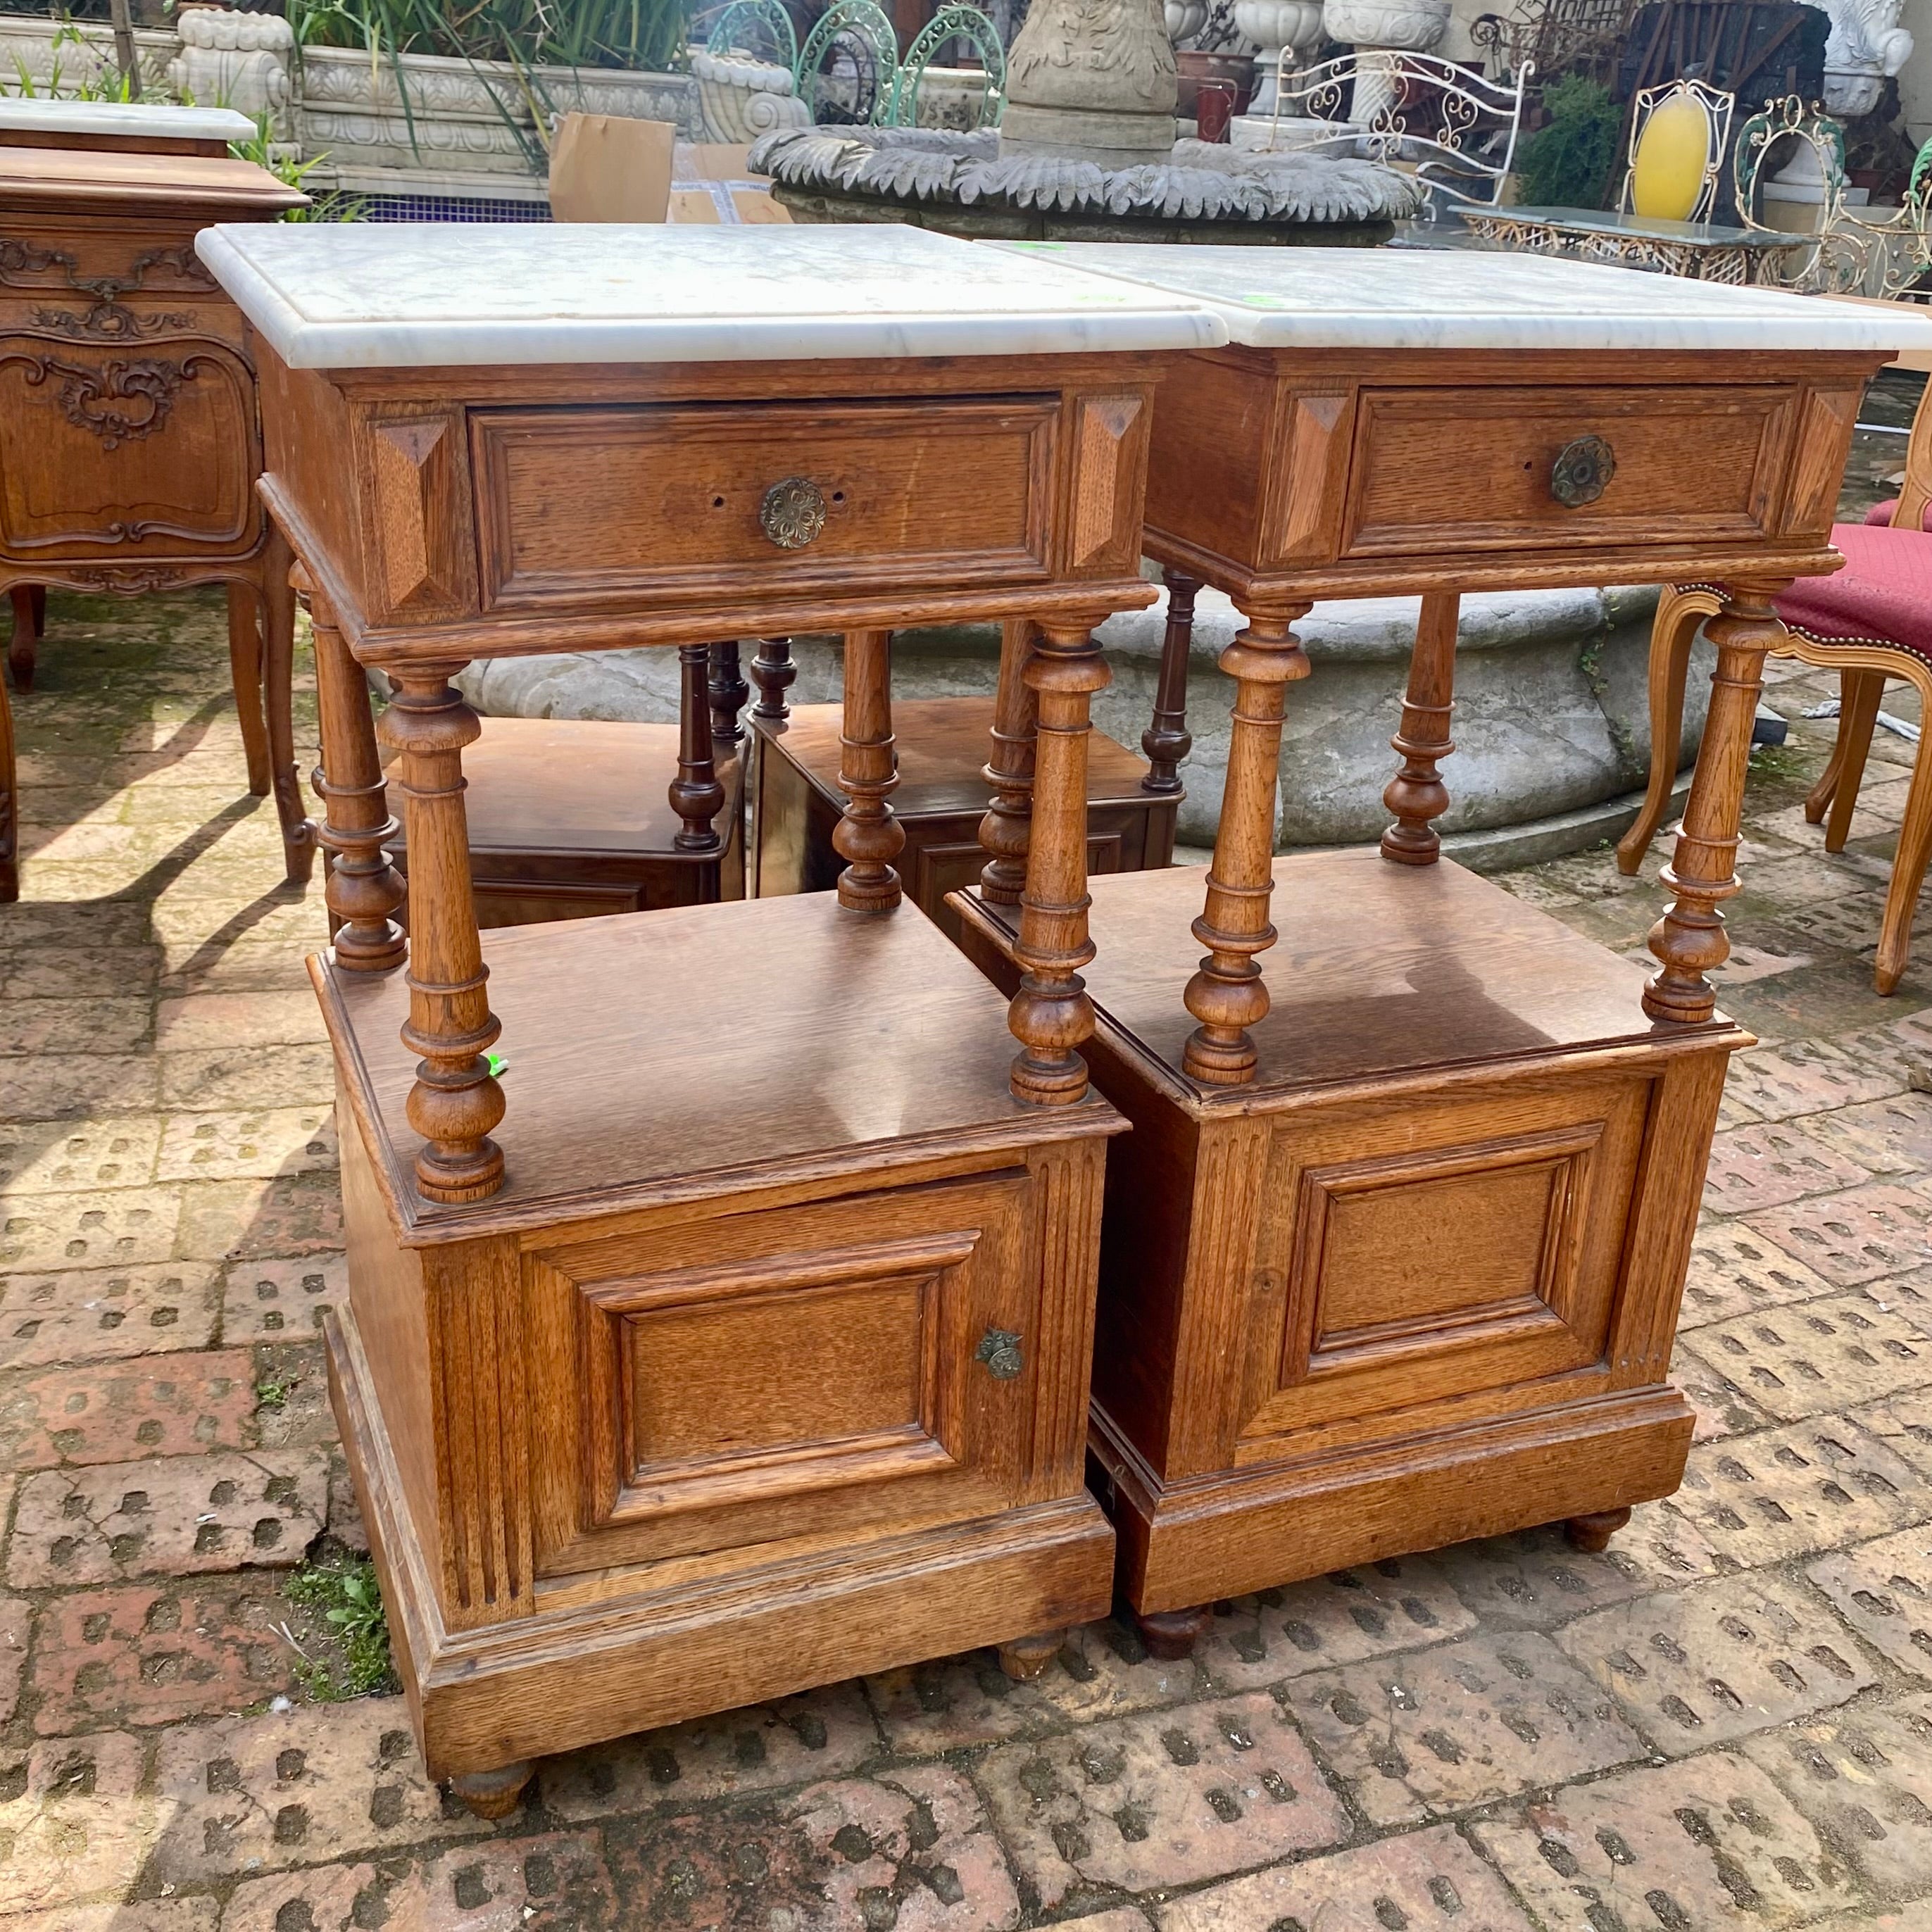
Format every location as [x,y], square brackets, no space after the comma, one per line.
[1381,971]
[641,1062]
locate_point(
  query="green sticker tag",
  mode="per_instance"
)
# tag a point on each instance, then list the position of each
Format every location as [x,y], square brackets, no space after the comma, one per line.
[497,1064]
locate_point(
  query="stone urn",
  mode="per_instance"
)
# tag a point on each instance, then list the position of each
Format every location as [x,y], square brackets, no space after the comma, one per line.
[741,98]
[1405,26]
[1091,80]
[1184,18]
[1276,26]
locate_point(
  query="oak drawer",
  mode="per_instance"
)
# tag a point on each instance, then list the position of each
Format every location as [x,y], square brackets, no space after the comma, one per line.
[688,502]
[1475,468]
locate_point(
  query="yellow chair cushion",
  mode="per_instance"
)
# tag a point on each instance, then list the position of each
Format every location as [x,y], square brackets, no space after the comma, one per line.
[1671,153]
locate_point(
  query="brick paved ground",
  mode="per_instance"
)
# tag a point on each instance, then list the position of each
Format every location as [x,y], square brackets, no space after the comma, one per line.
[1725,1721]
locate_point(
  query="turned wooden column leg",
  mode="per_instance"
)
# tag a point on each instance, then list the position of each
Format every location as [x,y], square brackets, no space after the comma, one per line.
[772,672]
[1681,613]
[9,806]
[1165,740]
[1051,1014]
[696,795]
[868,837]
[30,621]
[244,674]
[730,694]
[1689,940]
[1417,794]
[456,1100]
[362,888]
[1006,829]
[1592,1533]
[277,592]
[1227,995]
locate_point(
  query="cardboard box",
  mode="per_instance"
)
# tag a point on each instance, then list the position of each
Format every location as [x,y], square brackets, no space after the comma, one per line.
[606,167]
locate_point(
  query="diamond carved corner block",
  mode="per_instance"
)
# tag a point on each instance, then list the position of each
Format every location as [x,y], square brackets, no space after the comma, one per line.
[1110,453]
[415,476]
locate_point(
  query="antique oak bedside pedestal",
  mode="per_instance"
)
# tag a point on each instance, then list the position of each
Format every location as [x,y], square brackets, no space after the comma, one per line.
[757,1356]
[1393,1253]
[129,438]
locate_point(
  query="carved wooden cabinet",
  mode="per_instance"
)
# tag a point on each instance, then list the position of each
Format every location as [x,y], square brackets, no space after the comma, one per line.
[1394,1252]
[755,1354]
[130,436]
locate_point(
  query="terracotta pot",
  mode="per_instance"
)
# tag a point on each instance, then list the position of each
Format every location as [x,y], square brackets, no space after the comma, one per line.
[1195,66]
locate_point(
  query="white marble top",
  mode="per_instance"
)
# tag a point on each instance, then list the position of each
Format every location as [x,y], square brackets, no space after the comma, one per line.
[130,119]
[338,295]
[1465,298]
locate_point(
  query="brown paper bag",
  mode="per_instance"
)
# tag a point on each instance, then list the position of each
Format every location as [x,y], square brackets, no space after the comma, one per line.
[605,167]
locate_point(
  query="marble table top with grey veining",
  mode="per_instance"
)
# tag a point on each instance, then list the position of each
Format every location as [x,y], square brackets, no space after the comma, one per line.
[403,295]
[126,119]
[1461,298]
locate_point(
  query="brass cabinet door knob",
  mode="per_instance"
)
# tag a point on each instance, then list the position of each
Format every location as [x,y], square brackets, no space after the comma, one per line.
[1582,472]
[793,512]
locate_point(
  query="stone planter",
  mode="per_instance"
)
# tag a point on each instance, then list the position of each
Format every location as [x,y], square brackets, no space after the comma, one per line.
[1550,725]
[467,127]
[468,130]
[1276,26]
[27,49]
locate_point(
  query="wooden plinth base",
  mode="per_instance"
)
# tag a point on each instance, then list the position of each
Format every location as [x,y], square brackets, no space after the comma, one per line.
[764,1368]
[570,818]
[482,1700]
[942,795]
[1418,1281]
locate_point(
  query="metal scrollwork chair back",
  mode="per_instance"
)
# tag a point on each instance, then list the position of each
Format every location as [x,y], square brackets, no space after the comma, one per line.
[1454,128]
[761,28]
[1897,249]
[848,70]
[1841,254]
[952,23]
[1719,106]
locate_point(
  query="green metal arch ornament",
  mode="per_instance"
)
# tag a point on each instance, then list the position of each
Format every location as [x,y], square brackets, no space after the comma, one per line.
[862,26]
[739,26]
[951,23]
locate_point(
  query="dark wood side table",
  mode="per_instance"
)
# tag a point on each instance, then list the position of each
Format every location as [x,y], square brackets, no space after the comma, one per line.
[1394,1254]
[129,439]
[757,1353]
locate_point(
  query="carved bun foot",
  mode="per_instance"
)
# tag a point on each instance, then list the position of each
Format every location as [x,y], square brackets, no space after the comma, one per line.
[1025,1657]
[1170,1635]
[1592,1533]
[493,1794]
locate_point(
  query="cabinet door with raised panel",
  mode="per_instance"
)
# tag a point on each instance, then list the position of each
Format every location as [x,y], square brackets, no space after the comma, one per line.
[863,1365]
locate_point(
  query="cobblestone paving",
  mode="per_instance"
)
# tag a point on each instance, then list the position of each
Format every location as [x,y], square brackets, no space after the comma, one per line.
[1725,1721]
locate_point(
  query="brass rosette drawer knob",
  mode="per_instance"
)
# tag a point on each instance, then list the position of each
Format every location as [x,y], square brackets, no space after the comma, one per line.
[1582,472]
[793,512]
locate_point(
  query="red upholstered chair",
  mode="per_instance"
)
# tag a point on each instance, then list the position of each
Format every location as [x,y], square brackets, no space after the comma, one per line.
[1871,621]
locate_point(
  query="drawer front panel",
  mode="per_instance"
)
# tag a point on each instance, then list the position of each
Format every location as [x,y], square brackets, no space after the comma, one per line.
[689,502]
[740,1380]
[1436,469]
[144,449]
[1442,1249]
